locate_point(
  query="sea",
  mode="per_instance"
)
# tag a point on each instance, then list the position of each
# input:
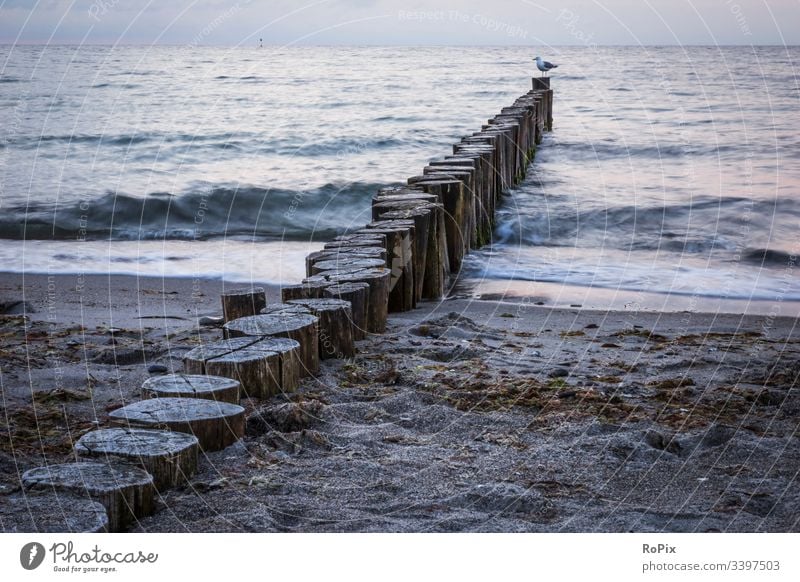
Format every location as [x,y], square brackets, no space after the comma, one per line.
[670,171]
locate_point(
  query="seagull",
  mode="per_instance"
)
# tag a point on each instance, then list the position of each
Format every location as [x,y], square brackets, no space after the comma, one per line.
[544,66]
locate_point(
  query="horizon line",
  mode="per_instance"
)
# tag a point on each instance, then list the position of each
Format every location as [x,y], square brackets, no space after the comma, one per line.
[389,45]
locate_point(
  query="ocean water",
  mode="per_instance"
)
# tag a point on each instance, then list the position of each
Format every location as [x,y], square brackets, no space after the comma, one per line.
[669,170]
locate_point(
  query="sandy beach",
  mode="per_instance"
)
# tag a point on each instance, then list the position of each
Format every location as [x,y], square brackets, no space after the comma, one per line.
[467,415]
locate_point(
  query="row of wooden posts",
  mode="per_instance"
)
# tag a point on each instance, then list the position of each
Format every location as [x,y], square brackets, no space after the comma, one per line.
[411,250]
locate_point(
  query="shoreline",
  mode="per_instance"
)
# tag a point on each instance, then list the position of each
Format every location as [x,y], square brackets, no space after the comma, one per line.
[566,296]
[466,415]
[90,296]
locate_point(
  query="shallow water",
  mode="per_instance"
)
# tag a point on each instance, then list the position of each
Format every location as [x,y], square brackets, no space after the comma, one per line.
[669,170]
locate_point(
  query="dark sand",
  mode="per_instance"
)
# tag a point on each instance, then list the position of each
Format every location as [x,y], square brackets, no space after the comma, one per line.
[465,416]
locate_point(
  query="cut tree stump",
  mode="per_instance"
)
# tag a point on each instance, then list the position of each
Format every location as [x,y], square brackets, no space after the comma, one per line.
[192,386]
[357,294]
[339,253]
[283,308]
[357,240]
[263,366]
[403,193]
[215,424]
[51,512]
[424,235]
[238,303]
[400,251]
[335,329]
[378,281]
[297,326]
[492,183]
[125,491]
[436,263]
[335,326]
[346,263]
[310,290]
[170,457]
[466,176]
[451,195]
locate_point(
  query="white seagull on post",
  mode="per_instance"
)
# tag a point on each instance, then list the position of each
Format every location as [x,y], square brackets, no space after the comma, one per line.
[544,66]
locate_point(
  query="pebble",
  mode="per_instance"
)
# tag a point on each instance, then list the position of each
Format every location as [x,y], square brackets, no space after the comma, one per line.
[157,369]
[208,320]
[559,373]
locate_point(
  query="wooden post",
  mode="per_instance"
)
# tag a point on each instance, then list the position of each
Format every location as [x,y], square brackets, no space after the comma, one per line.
[238,303]
[192,386]
[469,206]
[407,194]
[299,327]
[378,281]
[335,326]
[345,262]
[216,425]
[357,294]
[489,182]
[358,239]
[305,290]
[262,366]
[479,164]
[126,492]
[520,153]
[399,249]
[542,85]
[463,169]
[338,253]
[495,142]
[424,223]
[170,457]
[450,194]
[436,264]
[505,135]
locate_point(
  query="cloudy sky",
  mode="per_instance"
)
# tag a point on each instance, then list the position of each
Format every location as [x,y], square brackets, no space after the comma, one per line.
[415,22]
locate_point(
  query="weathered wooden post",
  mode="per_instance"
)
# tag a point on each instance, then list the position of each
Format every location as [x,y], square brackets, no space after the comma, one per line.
[357,294]
[378,281]
[299,327]
[304,290]
[126,492]
[343,253]
[216,425]
[423,224]
[192,386]
[450,194]
[262,366]
[542,84]
[238,303]
[346,262]
[469,206]
[335,326]
[436,263]
[399,248]
[170,457]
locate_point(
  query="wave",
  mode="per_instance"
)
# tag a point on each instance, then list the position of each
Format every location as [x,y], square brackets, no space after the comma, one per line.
[243,141]
[704,225]
[314,214]
[604,150]
[769,258]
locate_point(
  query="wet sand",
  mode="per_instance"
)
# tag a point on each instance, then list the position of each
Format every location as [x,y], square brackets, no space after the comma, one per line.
[467,415]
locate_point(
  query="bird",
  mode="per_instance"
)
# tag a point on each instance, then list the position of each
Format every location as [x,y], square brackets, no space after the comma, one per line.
[544,66]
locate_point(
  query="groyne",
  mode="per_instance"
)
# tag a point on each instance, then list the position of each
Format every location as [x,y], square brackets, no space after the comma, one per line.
[411,251]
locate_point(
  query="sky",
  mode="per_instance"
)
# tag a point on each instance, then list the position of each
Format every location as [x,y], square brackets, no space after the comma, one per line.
[401,22]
